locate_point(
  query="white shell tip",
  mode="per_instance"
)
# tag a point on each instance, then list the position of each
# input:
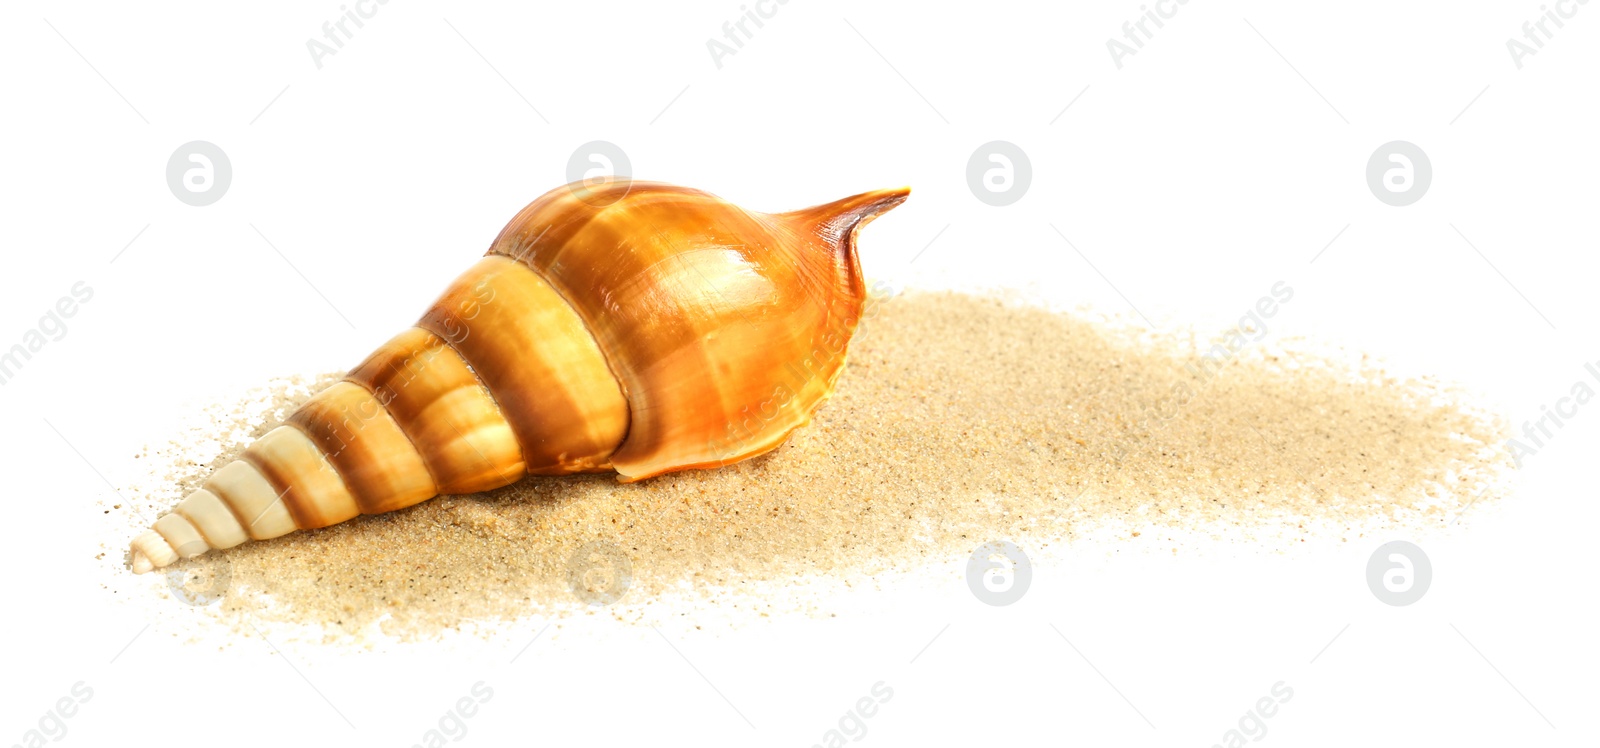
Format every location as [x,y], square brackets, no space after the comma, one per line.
[150,551]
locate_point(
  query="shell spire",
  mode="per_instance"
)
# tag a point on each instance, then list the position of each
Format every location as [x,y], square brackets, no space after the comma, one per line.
[624,326]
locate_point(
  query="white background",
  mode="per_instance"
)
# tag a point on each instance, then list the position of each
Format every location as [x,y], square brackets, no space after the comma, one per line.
[1220,159]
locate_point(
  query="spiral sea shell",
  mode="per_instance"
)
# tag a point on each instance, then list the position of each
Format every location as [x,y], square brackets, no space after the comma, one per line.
[629,326]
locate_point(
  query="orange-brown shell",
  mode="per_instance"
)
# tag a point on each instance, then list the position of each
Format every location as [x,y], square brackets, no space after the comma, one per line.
[632,326]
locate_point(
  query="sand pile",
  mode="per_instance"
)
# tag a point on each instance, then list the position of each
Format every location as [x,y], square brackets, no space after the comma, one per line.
[958,420]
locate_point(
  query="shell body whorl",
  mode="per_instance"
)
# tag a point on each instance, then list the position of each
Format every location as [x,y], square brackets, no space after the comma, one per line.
[725,328]
[630,326]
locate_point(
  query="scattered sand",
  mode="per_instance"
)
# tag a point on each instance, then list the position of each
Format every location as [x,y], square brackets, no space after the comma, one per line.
[959,420]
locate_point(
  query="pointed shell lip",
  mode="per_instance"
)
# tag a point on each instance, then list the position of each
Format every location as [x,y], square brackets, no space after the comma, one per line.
[884,195]
[870,205]
[877,202]
[902,192]
[839,220]
[602,192]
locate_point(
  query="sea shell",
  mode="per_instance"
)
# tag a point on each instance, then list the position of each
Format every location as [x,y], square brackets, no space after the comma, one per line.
[629,326]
